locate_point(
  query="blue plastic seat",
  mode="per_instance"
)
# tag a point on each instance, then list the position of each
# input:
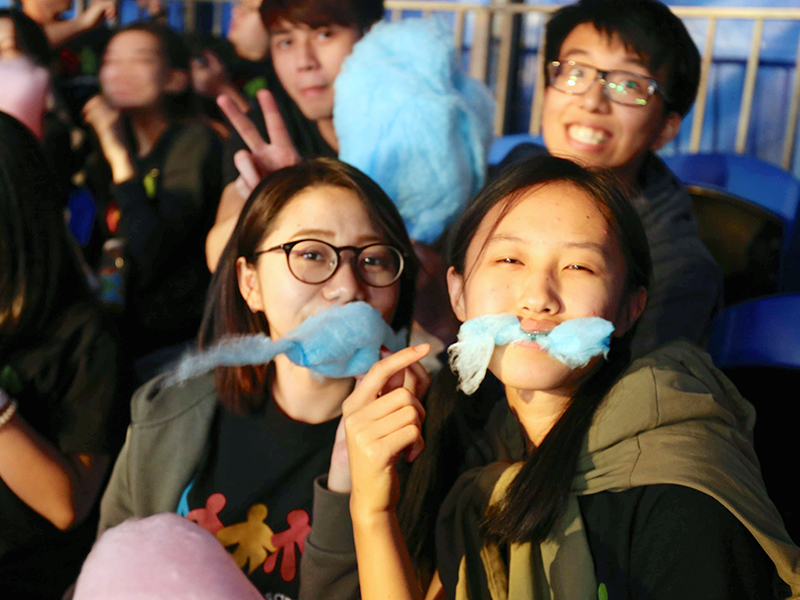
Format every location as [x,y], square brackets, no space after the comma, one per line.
[745,176]
[765,185]
[761,332]
[504,144]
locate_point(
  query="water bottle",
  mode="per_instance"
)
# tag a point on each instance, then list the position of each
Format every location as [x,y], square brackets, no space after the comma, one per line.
[112,272]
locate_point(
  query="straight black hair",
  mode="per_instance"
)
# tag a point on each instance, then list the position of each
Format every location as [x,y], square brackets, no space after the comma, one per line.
[40,273]
[647,27]
[29,36]
[452,416]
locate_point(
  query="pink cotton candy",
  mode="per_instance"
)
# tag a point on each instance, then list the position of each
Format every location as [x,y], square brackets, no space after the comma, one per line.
[23,92]
[163,557]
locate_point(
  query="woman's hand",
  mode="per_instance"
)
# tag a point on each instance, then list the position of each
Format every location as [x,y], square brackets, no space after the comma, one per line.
[97,12]
[105,120]
[382,419]
[263,158]
[102,117]
[416,380]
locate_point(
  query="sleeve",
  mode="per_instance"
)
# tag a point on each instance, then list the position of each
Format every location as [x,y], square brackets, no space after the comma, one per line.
[328,566]
[116,504]
[459,538]
[187,196]
[88,417]
[685,294]
[685,544]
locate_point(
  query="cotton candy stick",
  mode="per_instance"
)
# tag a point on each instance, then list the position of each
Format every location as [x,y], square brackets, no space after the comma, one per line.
[574,342]
[343,341]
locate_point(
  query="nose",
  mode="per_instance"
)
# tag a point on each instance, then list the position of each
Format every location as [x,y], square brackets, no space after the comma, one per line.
[595,99]
[306,53]
[345,285]
[539,295]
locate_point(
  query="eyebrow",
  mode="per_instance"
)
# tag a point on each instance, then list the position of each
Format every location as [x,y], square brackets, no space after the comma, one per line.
[579,245]
[304,233]
[636,61]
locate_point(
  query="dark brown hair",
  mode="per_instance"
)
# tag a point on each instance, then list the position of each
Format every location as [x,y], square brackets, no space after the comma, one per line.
[242,389]
[316,13]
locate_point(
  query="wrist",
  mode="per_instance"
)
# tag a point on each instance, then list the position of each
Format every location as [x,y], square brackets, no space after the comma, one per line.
[8,407]
[367,517]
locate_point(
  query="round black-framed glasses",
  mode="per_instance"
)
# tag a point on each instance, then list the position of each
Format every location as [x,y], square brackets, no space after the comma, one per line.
[314,261]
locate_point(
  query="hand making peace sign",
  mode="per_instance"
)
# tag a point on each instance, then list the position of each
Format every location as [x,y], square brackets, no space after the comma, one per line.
[263,157]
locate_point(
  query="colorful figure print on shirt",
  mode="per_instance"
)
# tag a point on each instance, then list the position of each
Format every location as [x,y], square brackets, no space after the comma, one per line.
[286,540]
[253,539]
[255,542]
[208,517]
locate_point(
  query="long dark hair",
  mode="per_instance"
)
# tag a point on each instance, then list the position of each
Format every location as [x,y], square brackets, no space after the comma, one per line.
[29,37]
[39,274]
[538,495]
[242,388]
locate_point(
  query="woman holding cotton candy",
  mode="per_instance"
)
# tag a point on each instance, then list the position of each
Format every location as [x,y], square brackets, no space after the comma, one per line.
[617,481]
[318,255]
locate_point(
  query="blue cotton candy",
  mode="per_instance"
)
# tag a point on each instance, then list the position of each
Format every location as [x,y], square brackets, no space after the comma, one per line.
[343,341]
[574,342]
[410,118]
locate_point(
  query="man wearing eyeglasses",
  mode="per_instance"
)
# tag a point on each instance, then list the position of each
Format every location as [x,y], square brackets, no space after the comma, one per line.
[621,76]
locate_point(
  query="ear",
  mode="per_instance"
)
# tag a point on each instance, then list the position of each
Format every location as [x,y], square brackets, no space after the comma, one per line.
[669,129]
[455,288]
[177,81]
[247,277]
[630,311]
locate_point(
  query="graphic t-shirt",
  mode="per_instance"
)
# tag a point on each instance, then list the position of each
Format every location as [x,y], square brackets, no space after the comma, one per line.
[254,490]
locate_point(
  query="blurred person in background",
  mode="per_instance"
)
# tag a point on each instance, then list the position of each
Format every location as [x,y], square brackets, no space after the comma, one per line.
[163,169]
[61,384]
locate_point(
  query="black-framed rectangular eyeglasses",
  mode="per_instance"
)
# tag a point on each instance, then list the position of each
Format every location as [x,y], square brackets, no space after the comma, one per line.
[623,87]
[315,261]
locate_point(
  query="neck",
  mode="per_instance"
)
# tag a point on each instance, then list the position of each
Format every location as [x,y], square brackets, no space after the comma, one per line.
[305,396]
[538,411]
[328,134]
[147,128]
[631,173]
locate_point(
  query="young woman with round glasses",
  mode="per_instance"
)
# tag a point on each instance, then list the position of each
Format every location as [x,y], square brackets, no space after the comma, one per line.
[238,450]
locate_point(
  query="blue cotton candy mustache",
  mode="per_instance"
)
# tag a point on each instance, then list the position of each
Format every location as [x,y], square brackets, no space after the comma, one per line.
[342,341]
[574,342]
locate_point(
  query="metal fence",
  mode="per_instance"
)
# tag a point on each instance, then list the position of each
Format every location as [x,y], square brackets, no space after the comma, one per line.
[491,53]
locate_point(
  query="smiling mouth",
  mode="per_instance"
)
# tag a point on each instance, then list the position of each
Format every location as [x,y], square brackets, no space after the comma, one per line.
[588,135]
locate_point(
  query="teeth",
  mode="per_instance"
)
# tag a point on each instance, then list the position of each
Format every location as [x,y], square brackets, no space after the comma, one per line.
[587,135]
[533,334]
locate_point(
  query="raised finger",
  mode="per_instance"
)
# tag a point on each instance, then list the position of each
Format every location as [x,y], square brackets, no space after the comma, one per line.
[244,126]
[246,166]
[276,128]
[380,373]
